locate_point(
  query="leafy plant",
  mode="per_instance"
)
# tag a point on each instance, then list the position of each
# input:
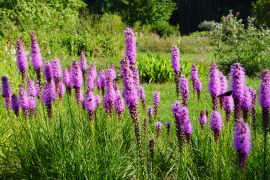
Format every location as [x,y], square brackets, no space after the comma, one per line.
[233,42]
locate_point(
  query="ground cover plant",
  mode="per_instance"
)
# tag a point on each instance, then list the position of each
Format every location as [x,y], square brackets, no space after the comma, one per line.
[77,120]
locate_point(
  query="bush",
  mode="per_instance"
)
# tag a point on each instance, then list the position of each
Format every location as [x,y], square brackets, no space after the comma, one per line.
[156,68]
[261,10]
[235,43]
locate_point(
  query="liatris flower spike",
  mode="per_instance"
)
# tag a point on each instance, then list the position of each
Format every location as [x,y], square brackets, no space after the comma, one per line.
[156,98]
[142,95]
[6,91]
[176,110]
[246,103]
[101,81]
[175,61]
[67,80]
[158,128]
[150,112]
[187,130]
[38,89]
[238,88]
[109,97]
[31,88]
[23,100]
[36,56]
[264,99]
[202,119]
[48,71]
[47,98]
[119,103]
[214,85]
[77,81]
[242,143]
[194,75]
[196,82]
[91,78]
[22,62]
[184,90]
[131,99]
[31,105]
[228,106]
[130,45]
[90,104]
[223,88]
[216,124]
[15,104]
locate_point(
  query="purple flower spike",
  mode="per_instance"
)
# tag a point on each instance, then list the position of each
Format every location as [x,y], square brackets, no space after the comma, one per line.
[242,142]
[246,103]
[6,88]
[98,100]
[31,88]
[183,115]
[22,61]
[238,88]
[119,103]
[109,97]
[156,98]
[15,105]
[67,80]
[238,81]
[150,112]
[184,90]
[90,104]
[77,80]
[61,90]
[48,98]
[23,100]
[142,95]
[114,74]
[38,90]
[101,81]
[83,62]
[130,45]
[223,88]
[228,106]
[175,59]
[57,68]
[31,105]
[6,91]
[194,73]
[36,56]
[48,71]
[198,87]
[91,78]
[187,130]
[176,110]
[264,99]
[223,83]
[130,90]
[214,85]
[264,93]
[214,81]
[158,126]
[216,124]
[202,119]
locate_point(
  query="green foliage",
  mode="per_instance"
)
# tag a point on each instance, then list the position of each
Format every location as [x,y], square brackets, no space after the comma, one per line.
[156,68]
[261,10]
[235,43]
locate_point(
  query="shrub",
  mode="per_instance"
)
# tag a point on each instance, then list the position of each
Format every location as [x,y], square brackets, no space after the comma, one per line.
[261,11]
[156,68]
[233,42]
